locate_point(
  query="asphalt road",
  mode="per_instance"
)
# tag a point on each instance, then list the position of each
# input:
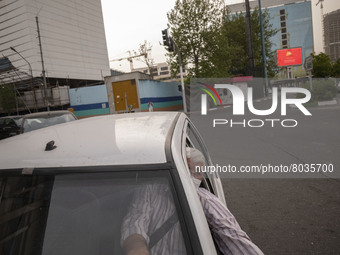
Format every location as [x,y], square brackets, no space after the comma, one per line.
[282,213]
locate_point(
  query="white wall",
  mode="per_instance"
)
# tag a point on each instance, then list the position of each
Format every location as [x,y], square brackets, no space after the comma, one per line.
[72,35]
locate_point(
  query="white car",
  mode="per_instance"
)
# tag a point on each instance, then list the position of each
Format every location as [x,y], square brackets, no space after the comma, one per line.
[66,189]
[37,120]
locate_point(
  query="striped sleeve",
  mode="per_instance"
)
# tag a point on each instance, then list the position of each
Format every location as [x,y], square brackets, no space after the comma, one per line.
[227,233]
[137,220]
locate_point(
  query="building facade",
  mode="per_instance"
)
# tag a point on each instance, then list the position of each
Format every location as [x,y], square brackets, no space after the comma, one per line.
[160,71]
[293,21]
[73,43]
[332,35]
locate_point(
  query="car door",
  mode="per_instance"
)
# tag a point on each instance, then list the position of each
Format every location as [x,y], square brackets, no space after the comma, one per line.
[212,181]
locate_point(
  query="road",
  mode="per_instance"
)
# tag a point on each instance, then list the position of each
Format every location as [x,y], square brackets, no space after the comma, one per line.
[282,214]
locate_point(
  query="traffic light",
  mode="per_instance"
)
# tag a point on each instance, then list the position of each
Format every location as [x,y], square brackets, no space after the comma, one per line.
[167,40]
[165,37]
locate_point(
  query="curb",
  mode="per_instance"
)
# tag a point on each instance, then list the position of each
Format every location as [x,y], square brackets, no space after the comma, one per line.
[331,102]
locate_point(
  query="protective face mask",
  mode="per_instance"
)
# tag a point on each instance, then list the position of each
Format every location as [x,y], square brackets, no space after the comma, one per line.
[197,182]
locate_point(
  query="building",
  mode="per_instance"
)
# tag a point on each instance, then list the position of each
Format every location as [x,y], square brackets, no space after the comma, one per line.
[73,48]
[131,92]
[332,35]
[293,20]
[160,72]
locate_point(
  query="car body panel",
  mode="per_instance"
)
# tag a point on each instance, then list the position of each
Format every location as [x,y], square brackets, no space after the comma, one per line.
[118,143]
[104,140]
[178,150]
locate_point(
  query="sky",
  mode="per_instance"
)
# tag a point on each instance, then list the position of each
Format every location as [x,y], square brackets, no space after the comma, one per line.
[129,23]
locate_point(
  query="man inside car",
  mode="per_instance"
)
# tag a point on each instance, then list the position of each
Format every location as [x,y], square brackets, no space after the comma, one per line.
[155,207]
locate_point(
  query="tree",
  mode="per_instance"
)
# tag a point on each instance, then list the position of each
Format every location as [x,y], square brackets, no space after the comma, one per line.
[322,65]
[195,25]
[237,39]
[215,43]
[7,98]
[145,50]
[218,54]
[336,69]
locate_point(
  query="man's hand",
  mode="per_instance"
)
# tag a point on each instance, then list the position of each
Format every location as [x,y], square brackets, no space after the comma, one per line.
[135,245]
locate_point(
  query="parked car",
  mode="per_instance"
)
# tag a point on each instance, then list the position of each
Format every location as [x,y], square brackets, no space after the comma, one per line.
[67,188]
[10,126]
[34,121]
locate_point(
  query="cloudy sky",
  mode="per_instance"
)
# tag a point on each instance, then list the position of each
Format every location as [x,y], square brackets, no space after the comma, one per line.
[129,23]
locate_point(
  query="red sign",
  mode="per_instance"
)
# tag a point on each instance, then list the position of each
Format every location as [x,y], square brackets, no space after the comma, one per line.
[241,79]
[289,57]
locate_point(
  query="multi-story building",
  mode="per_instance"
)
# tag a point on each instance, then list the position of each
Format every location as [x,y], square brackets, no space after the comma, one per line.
[332,34]
[160,72]
[61,40]
[293,20]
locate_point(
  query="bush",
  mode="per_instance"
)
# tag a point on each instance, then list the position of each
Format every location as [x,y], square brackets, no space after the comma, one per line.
[322,89]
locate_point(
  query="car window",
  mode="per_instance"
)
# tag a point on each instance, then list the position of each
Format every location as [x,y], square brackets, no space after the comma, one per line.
[11,123]
[18,122]
[31,124]
[8,122]
[89,213]
[193,140]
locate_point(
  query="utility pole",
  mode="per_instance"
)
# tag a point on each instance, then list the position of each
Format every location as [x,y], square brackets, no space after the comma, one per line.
[250,39]
[263,52]
[168,41]
[43,66]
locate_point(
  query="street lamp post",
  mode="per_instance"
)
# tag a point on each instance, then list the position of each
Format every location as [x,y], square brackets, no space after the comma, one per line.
[31,73]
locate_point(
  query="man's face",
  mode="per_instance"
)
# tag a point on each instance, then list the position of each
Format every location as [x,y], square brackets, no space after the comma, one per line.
[195,169]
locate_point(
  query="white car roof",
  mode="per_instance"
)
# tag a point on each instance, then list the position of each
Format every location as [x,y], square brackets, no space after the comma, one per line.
[124,139]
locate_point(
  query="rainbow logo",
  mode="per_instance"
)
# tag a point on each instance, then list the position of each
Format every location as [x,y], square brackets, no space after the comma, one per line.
[209,93]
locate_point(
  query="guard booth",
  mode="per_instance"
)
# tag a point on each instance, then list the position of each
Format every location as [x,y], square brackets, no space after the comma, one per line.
[131,92]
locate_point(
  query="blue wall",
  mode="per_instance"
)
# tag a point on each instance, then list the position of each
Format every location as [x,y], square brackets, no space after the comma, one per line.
[163,95]
[89,101]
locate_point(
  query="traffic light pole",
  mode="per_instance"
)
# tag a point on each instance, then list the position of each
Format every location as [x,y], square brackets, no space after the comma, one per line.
[168,41]
[181,74]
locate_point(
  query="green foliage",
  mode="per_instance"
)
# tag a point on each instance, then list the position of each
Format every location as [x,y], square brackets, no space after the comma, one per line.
[336,69]
[322,66]
[194,24]
[323,89]
[7,99]
[213,43]
[237,39]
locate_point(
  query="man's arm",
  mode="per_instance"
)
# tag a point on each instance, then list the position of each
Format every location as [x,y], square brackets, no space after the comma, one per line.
[229,236]
[136,223]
